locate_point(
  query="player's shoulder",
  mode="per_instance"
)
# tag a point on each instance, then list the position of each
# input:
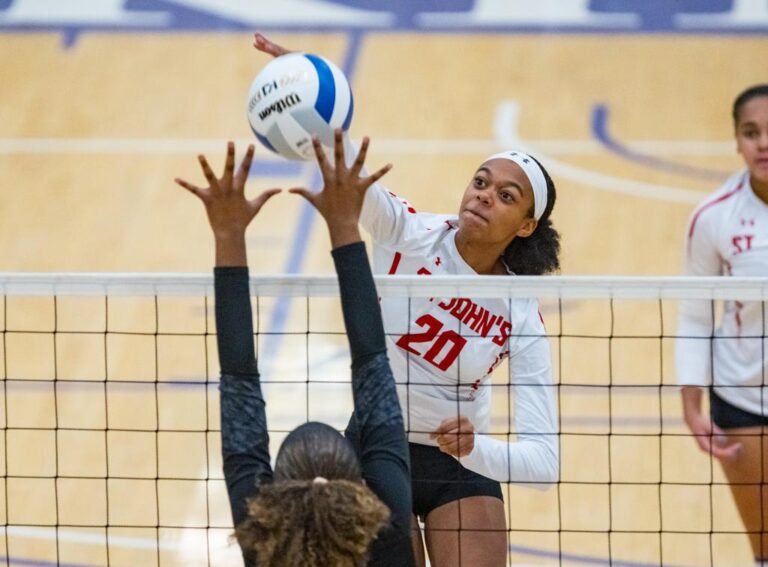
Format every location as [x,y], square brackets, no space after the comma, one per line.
[526,311]
[719,204]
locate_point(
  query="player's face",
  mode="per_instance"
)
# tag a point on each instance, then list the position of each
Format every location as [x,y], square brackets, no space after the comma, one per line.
[752,137]
[498,203]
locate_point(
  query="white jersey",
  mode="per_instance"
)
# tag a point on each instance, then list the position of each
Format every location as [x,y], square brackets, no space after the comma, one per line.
[443,350]
[727,235]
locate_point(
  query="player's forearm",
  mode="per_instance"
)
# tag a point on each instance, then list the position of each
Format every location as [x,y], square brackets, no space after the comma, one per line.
[692,397]
[359,302]
[244,438]
[534,459]
[231,250]
[234,323]
[344,234]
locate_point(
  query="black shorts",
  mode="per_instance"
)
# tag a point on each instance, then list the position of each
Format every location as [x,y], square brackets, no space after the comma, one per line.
[727,416]
[437,479]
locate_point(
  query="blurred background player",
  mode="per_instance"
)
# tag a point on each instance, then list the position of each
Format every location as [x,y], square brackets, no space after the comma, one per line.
[324,504]
[728,235]
[443,351]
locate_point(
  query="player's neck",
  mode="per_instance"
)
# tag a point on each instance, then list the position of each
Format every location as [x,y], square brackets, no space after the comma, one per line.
[479,256]
[759,188]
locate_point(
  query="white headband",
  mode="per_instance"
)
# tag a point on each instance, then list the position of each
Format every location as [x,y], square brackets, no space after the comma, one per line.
[534,174]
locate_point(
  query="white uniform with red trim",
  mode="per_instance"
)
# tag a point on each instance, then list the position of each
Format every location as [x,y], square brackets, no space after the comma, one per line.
[443,350]
[727,235]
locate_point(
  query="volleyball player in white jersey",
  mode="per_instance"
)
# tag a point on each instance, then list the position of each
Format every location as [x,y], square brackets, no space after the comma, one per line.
[443,350]
[728,235]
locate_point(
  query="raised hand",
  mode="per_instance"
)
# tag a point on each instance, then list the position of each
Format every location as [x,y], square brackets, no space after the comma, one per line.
[229,211]
[266,46]
[341,199]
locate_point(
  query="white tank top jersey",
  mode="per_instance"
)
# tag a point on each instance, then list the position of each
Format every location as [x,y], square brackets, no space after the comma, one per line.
[727,235]
[443,350]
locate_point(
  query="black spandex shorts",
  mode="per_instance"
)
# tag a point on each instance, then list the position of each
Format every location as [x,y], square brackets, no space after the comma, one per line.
[727,416]
[437,479]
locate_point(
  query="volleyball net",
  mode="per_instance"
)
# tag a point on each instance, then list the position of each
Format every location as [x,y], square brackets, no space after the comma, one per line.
[110,420]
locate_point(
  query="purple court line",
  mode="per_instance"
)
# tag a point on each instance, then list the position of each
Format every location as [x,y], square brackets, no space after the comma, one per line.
[306,221]
[583,559]
[600,116]
[39,563]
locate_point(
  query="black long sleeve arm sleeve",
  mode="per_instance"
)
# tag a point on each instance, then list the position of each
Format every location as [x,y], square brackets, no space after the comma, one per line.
[381,443]
[244,438]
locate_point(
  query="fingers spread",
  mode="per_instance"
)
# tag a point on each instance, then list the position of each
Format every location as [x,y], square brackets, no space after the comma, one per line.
[322,161]
[194,189]
[229,166]
[308,195]
[245,168]
[338,150]
[357,166]
[265,196]
[371,179]
[207,171]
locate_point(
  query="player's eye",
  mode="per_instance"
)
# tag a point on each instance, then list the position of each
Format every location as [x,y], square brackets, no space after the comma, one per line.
[479,182]
[507,196]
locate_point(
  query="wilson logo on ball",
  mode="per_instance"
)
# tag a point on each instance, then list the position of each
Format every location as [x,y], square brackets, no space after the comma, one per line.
[319,101]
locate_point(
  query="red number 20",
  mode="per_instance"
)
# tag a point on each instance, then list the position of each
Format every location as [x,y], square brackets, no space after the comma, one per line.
[433,327]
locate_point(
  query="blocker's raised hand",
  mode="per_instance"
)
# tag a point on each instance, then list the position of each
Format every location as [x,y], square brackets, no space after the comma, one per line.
[229,211]
[341,199]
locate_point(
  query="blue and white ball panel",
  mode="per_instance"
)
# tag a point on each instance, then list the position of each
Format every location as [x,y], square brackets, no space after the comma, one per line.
[339,112]
[295,97]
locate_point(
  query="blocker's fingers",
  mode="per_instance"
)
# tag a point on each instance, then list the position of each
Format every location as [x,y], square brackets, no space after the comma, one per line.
[357,166]
[265,196]
[322,161]
[207,171]
[307,194]
[229,165]
[371,179]
[194,189]
[338,149]
[245,167]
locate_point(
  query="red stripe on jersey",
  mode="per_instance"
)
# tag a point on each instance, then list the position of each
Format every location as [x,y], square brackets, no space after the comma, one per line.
[395,263]
[705,206]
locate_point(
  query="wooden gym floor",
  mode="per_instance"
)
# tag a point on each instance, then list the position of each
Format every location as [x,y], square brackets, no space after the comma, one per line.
[634,129]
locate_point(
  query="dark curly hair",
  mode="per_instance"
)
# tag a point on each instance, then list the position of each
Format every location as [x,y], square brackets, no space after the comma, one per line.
[301,519]
[744,97]
[538,253]
[312,524]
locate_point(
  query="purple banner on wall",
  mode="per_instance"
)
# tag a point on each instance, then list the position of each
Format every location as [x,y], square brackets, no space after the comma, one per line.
[595,16]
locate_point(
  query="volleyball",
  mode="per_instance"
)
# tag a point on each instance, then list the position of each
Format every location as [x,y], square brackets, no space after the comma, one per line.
[297,96]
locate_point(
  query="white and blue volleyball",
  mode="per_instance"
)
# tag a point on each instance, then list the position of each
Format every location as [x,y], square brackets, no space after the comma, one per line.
[297,96]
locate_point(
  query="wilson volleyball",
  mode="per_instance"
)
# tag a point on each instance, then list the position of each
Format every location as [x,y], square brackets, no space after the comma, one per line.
[297,96]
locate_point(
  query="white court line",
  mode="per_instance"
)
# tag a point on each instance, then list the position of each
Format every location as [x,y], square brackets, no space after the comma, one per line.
[13,146]
[88,538]
[506,133]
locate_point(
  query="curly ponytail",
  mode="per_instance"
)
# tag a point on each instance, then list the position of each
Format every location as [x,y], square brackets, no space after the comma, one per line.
[300,522]
[538,253]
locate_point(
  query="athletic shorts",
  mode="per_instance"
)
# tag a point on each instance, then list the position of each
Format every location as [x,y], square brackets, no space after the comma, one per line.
[727,416]
[437,479]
